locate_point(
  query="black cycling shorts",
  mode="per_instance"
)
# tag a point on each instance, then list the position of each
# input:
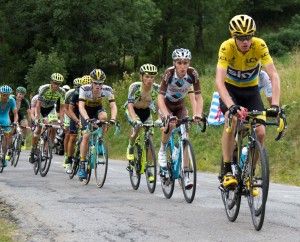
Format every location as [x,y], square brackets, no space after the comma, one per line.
[46,111]
[142,113]
[247,97]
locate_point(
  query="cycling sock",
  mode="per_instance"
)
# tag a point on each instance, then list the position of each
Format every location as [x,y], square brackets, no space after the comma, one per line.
[162,147]
[227,167]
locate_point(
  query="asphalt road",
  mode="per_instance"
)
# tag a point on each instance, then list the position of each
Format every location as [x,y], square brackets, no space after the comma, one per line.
[55,208]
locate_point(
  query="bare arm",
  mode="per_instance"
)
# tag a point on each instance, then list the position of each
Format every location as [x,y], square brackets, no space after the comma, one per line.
[15,112]
[114,110]
[220,84]
[38,109]
[72,115]
[131,111]
[162,106]
[274,77]
[197,104]
[82,110]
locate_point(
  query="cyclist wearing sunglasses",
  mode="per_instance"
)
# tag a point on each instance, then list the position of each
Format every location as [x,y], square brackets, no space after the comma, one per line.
[73,113]
[90,107]
[141,101]
[178,81]
[240,60]
[48,96]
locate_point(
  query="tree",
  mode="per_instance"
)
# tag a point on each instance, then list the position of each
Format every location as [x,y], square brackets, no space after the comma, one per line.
[39,73]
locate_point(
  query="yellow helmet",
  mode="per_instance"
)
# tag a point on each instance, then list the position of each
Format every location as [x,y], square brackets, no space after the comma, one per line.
[57,77]
[77,82]
[98,75]
[148,69]
[241,25]
[86,79]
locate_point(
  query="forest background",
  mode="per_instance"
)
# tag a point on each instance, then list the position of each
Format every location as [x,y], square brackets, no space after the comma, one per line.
[39,37]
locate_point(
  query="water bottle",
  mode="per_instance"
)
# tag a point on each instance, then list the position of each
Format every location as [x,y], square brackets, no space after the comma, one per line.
[243,157]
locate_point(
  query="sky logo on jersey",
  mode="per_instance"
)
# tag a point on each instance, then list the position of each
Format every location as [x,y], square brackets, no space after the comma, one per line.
[243,76]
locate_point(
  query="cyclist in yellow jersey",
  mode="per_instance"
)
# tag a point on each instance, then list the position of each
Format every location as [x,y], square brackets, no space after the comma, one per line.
[239,63]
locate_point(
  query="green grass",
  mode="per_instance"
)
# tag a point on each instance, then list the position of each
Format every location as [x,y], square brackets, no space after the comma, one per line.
[283,155]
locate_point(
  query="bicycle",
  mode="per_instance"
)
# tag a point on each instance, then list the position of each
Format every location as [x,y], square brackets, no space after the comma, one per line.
[16,146]
[144,158]
[2,154]
[181,162]
[76,157]
[42,156]
[97,156]
[252,173]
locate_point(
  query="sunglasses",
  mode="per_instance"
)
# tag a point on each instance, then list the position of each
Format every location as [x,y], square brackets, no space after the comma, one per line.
[97,83]
[56,83]
[244,37]
[182,62]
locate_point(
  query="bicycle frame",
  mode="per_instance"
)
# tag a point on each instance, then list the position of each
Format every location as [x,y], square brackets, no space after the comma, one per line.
[142,140]
[173,140]
[95,136]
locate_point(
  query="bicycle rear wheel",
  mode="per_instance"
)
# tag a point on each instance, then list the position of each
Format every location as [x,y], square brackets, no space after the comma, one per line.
[135,168]
[101,164]
[189,174]
[151,171]
[45,157]
[231,198]
[258,184]
[168,183]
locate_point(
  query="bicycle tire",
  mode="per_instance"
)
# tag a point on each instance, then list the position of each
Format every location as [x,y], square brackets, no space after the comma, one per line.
[17,150]
[101,164]
[1,164]
[88,168]
[259,180]
[135,171]
[44,167]
[231,199]
[151,167]
[168,184]
[189,194]
[75,167]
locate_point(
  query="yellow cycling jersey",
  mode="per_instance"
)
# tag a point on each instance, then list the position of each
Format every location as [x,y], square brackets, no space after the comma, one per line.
[243,69]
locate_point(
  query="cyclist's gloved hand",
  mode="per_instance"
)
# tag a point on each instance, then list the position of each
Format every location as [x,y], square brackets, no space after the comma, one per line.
[273,111]
[137,123]
[234,109]
[112,121]
[197,118]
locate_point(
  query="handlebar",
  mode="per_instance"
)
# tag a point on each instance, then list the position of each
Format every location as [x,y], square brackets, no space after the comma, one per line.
[256,117]
[187,120]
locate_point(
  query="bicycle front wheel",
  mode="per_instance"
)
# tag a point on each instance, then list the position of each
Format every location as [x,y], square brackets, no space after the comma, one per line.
[1,164]
[189,172]
[16,150]
[151,171]
[45,157]
[168,183]
[257,184]
[135,168]
[101,164]
[231,198]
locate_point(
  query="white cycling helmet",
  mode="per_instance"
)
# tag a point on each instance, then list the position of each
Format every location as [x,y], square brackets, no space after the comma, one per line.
[181,54]
[66,87]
